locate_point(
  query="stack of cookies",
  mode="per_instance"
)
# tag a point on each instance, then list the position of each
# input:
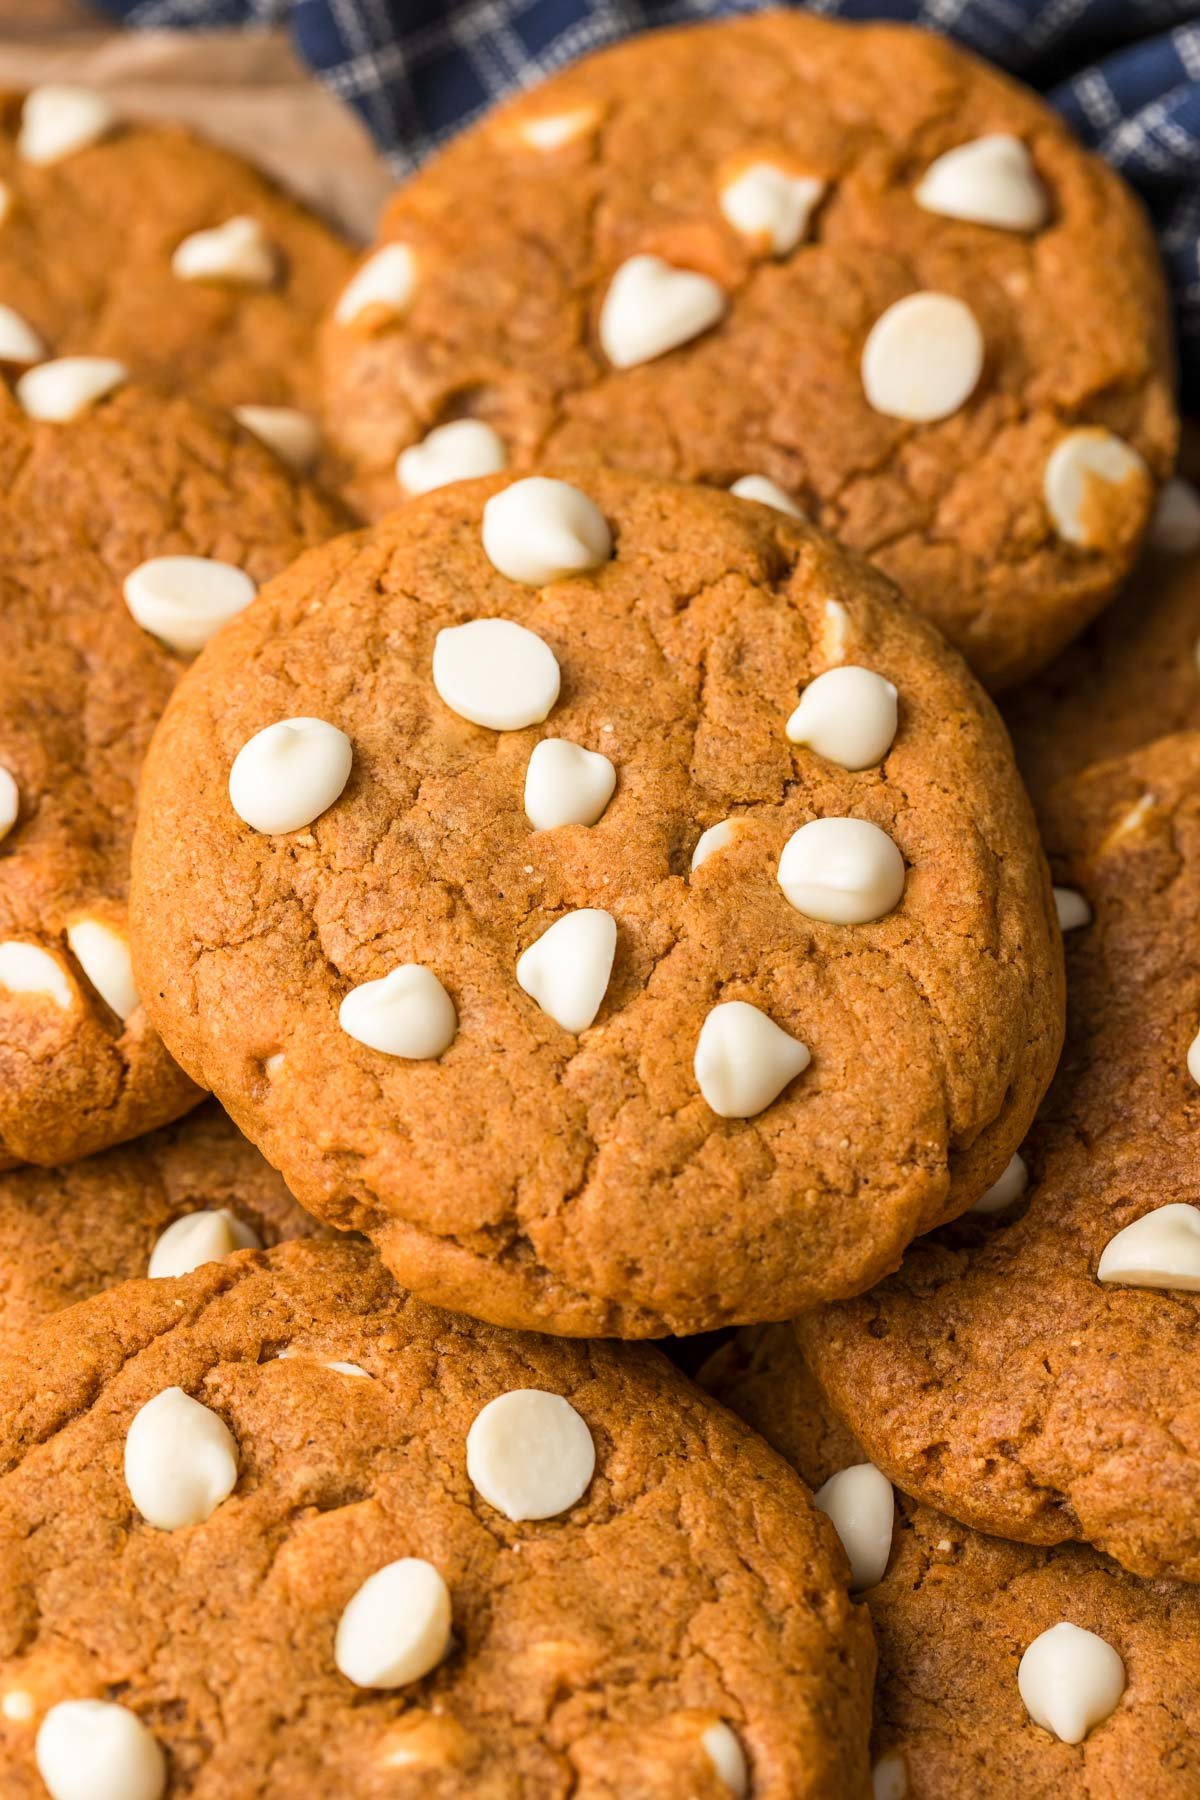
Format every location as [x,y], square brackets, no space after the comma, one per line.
[507,851]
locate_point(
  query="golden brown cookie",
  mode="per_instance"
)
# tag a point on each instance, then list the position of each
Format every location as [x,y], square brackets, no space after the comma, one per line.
[386,940]
[997,1375]
[91,258]
[699,255]
[643,1606]
[954,1614]
[83,504]
[66,1234]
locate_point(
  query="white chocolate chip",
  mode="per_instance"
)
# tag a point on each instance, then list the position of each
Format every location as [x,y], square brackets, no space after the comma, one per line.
[10,801]
[1159,1250]
[19,342]
[990,181]
[848,716]
[715,838]
[566,784]
[180,1461]
[530,1454]
[1008,1187]
[237,253]
[97,1750]
[1070,1680]
[767,493]
[744,1060]
[383,287]
[651,308]
[18,1705]
[495,673]
[725,1753]
[61,390]
[455,452]
[294,436]
[766,203]
[1193,1056]
[338,1368]
[198,1238]
[406,1013]
[1079,460]
[184,600]
[288,774]
[862,1506]
[923,358]
[567,969]
[889,1777]
[57,120]
[28,969]
[102,952]
[1072,909]
[835,631]
[539,530]
[553,130]
[1175,527]
[396,1628]
[842,871]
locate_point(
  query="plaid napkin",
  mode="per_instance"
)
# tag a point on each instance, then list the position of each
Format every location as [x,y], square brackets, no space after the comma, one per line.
[1126,73]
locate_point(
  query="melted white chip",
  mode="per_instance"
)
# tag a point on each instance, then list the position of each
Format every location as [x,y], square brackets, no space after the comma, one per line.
[553,130]
[847,715]
[97,1750]
[57,120]
[396,1628]
[651,308]
[1008,1186]
[842,871]
[288,774]
[767,493]
[1159,1250]
[455,452]
[383,287]
[744,1060]
[180,1461]
[1072,909]
[28,969]
[184,600]
[198,1238]
[237,252]
[58,391]
[540,530]
[889,1777]
[862,1506]
[530,1454]
[1070,1680]
[19,342]
[1175,527]
[990,181]
[923,358]
[1077,462]
[294,436]
[406,1013]
[715,838]
[495,673]
[102,952]
[724,1751]
[766,203]
[567,969]
[10,801]
[566,784]
[1193,1056]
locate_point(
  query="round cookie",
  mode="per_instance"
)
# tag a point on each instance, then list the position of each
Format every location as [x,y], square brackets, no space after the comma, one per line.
[66,1234]
[955,1612]
[83,504]
[737,251]
[626,1074]
[90,256]
[996,1375]
[645,1607]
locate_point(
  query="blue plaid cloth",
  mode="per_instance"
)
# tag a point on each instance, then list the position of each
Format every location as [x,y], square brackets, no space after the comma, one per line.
[1126,73]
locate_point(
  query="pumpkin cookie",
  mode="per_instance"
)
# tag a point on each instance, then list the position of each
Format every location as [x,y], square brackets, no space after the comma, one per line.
[610,898]
[132,525]
[1033,1371]
[847,264]
[1003,1668]
[276,1528]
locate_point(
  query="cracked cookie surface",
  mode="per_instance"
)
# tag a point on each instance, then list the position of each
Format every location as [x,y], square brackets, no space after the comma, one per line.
[517,229]
[690,1585]
[994,1375]
[581,1183]
[82,504]
[955,1611]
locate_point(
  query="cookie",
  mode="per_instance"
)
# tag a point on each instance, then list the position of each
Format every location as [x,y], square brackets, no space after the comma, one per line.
[88,507]
[1133,676]
[850,261]
[1033,1371]
[490,874]
[145,244]
[391,1547]
[956,1614]
[66,1234]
